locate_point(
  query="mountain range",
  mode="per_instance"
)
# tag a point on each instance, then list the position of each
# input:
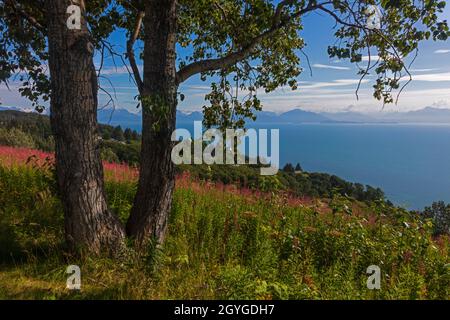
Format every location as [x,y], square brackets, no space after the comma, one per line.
[132,120]
[428,115]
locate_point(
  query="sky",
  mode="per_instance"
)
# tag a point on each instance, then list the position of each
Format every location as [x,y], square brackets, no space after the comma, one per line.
[331,87]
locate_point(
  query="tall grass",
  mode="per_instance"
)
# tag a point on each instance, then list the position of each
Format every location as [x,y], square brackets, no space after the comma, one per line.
[223,243]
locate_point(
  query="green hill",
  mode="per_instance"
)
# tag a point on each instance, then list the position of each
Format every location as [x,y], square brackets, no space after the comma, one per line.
[32,130]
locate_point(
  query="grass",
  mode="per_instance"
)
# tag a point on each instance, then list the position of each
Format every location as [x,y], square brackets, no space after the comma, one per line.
[223,243]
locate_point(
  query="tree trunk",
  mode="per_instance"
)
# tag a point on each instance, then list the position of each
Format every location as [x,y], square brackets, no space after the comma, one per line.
[152,204]
[88,223]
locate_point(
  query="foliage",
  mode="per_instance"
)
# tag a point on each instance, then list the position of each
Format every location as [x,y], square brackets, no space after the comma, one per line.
[34,127]
[16,138]
[242,46]
[439,212]
[223,244]
[107,154]
[300,183]
[31,130]
[121,152]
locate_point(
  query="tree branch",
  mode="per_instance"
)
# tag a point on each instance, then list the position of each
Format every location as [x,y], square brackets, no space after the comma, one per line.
[279,11]
[339,20]
[220,63]
[130,52]
[32,20]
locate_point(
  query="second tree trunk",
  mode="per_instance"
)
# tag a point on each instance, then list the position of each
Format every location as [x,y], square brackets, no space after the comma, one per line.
[152,204]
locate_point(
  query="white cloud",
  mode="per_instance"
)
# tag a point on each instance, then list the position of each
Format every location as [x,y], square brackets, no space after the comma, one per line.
[430,77]
[442,51]
[192,87]
[422,70]
[325,66]
[375,58]
[318,101]
[371,58]
[334,83]
[444,103]
[117,70]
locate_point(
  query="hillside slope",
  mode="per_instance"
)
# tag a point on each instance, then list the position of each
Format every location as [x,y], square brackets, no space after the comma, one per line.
[224,243]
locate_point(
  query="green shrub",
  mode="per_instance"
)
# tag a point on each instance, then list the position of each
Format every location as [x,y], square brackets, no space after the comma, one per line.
[16,138]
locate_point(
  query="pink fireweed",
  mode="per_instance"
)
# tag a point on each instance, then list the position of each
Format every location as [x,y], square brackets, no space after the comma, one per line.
[119,172]
[12,157]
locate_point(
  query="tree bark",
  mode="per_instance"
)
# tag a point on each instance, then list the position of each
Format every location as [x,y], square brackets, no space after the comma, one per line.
[88,223]
[153,201]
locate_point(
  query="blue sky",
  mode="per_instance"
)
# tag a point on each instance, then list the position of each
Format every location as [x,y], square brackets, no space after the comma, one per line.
[330,88]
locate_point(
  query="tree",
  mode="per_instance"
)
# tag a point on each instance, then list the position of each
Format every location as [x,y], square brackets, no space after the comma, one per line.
[118,134]
[439,212]
[135,136]
[128,135]
[241,45]
[227,39]
[106,135]
[289,168]
[298,167]
[27,26]
[15,137]
[73,116]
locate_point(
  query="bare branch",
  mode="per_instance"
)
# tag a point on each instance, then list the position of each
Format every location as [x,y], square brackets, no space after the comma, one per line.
[339,20]
[102,60]
[410,79]
[112,100]
[113,54]
[307,60]
[130,52]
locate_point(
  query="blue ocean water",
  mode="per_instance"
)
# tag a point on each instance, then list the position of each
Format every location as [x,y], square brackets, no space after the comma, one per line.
[411,163]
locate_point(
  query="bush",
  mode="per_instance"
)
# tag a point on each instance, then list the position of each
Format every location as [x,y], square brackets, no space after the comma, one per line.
[108,155]
[16,138]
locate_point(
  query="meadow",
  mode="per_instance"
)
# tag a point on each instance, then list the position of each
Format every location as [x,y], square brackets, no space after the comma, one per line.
[224,242]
